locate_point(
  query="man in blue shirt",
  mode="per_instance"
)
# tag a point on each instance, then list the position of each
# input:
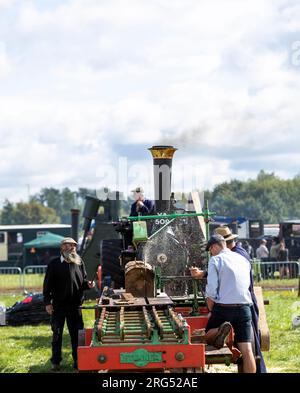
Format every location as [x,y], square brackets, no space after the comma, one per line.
[231,244]
[228,299]
[141,205]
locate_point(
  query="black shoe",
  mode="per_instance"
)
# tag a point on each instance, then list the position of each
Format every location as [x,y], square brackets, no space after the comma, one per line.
[55,367]
[222,335]
[75,365]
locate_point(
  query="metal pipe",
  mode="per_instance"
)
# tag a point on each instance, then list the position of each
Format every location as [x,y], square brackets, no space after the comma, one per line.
[162,165]
[74,223]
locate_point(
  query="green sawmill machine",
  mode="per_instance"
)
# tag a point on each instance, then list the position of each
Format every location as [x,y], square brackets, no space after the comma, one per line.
[151,314]
[172,243]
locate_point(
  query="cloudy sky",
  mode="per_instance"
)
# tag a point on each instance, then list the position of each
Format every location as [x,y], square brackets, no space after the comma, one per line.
[86,86]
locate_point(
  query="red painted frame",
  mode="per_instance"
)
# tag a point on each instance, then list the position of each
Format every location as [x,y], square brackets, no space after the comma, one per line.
[194,354]
[194,357]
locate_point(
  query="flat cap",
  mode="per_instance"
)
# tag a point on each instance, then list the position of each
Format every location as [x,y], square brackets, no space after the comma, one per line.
[68,240]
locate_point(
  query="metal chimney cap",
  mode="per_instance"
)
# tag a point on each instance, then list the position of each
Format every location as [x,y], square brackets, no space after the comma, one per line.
[162,151]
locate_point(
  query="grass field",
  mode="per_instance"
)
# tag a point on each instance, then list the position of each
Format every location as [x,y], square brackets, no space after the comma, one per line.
[27,349]
[13,282]
[284,355]
[278,283]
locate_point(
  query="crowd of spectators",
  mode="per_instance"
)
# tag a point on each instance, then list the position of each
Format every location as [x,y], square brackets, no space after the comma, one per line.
[275,253]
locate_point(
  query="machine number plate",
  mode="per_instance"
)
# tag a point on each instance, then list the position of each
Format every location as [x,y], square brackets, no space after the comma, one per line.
[141,357]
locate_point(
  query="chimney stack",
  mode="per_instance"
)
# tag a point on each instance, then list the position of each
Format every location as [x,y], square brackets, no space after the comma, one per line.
[162,164]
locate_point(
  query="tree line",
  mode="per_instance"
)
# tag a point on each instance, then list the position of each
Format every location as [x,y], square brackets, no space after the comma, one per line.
[50,206]
[267,197]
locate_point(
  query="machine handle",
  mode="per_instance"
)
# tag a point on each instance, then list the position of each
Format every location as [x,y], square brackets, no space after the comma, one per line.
[99,277]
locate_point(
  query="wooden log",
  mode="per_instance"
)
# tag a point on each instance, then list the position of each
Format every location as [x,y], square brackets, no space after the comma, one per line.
[139,279]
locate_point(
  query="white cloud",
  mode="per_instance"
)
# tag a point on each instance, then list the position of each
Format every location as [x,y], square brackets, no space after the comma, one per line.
[5,66]
[86,81]
[291,15]
[5,3]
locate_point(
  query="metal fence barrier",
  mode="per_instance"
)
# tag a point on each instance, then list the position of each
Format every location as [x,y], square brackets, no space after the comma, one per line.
[265,270]
[33,277]
[11,278]
[14,279]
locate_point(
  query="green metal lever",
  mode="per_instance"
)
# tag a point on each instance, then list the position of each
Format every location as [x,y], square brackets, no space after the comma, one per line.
[205,214]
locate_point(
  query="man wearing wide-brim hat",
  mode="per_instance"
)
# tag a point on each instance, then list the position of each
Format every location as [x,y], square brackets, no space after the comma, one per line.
[230,241]
[64,283]
[226,233]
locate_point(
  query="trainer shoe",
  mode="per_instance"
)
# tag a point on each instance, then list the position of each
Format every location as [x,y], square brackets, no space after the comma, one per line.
[222,335]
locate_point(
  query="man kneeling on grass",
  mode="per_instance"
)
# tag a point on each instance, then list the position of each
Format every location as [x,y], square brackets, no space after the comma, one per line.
[228,299]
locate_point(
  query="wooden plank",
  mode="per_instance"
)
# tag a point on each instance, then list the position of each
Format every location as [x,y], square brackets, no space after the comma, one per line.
[160,301]
[127,296]
[212,351]
[116,303]
[198,209]
[262,322]
[136,302]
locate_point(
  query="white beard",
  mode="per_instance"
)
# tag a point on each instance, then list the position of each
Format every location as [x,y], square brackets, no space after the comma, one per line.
[72,257]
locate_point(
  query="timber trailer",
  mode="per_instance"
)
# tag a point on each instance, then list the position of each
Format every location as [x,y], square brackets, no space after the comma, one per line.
[155,318]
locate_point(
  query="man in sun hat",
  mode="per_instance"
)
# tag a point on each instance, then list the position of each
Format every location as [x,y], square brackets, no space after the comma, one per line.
[228,299]
[230,238]
[225,231]
[64,283]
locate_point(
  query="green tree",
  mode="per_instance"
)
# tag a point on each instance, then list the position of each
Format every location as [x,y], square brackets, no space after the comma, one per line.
[267,197]
[27,213]
[49,197]
[7,213]
[61,201]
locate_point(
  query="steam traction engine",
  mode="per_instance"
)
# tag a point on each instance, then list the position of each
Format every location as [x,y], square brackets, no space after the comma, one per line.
[157,322]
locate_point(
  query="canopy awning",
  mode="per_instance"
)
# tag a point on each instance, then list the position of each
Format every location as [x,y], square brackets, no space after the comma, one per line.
[48,240]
